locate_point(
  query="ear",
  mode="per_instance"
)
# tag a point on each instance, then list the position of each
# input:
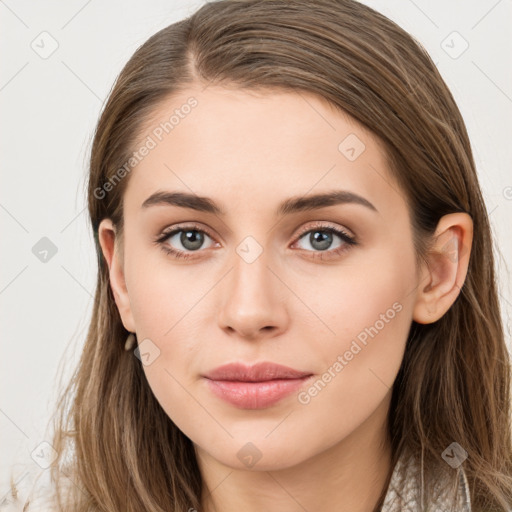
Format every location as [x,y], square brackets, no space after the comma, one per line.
[110,247]
[442,279]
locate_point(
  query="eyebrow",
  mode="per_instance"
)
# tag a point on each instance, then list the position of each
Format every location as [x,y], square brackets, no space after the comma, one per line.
[291,205]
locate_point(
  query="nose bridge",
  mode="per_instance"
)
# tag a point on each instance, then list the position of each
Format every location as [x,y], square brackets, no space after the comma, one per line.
[251,266]
[251,301]
[251,281]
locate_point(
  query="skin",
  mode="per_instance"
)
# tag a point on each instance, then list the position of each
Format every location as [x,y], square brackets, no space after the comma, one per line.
[249,152]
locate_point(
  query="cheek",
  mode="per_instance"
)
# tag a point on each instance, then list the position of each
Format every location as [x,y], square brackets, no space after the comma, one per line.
[368,313]
[166,311]
[162,294]
[166,302]
[373,291]
[165,320]
[359,366]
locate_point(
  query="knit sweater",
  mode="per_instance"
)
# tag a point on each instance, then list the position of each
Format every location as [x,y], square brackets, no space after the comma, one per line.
[404,490]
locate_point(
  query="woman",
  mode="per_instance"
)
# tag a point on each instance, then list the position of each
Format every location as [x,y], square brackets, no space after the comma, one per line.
[290,227]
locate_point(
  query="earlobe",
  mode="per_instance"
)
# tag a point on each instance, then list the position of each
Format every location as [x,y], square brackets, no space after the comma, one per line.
[441,280]
[110,249]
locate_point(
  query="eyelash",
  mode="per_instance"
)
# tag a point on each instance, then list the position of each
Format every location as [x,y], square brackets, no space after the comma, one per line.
[349,241]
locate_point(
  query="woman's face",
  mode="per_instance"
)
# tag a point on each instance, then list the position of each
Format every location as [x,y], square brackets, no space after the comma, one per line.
[267,277]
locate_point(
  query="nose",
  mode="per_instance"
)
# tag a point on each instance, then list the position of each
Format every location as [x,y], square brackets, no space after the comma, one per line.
[253,301]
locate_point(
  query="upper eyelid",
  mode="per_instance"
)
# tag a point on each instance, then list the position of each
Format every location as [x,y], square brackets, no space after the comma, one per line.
[167,232]
[325,225]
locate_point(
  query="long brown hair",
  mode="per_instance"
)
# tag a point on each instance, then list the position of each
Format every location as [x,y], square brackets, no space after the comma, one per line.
[454,382]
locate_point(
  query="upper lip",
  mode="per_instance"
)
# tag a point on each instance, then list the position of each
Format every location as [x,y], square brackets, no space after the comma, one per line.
[256,373]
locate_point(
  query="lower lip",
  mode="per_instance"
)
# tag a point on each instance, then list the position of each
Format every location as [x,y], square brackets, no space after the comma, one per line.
[255,395]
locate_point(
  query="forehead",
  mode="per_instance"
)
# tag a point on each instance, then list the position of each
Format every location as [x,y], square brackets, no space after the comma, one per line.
[248,147]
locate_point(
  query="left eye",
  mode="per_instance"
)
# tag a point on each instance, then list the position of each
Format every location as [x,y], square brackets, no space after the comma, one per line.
[321,239]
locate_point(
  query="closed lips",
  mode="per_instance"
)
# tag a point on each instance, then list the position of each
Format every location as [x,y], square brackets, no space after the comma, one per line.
[259,372]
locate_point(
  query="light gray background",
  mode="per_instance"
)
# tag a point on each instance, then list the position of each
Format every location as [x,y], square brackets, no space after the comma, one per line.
[49,107]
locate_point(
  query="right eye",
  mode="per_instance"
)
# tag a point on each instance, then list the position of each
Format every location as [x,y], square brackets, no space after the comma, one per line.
[191,239]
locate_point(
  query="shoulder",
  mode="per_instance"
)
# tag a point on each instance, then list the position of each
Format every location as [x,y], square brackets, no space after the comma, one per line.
[405,491]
